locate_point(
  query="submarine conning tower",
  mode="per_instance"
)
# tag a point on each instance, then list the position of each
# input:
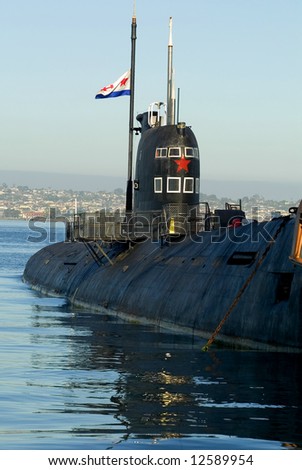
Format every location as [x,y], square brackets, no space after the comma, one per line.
[166,186]
[167,168]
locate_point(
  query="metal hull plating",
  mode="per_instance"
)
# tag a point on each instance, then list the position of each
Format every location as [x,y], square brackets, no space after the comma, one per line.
[241,275]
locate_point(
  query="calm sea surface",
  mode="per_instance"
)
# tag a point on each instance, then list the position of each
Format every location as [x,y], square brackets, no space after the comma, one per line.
[72,379]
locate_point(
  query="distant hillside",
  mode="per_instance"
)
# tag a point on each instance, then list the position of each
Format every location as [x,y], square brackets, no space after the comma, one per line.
[270,190]
[61,181]
[231,189]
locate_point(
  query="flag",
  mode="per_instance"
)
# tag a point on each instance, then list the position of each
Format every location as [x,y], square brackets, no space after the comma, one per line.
[118,88]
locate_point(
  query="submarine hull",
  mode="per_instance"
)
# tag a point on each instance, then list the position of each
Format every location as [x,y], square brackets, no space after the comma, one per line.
[240,279]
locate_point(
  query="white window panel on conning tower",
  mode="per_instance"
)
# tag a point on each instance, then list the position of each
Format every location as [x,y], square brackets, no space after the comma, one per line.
[188,185]
[161,152]
[175,152]
[173,185]
[158,185]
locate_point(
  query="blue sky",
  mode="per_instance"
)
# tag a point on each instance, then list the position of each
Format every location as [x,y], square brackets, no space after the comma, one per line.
[237,64]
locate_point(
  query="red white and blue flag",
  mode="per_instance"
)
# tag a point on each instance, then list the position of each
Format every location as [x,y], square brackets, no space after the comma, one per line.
[120,87]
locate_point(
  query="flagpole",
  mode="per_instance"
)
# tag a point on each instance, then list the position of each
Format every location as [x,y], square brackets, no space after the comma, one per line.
[129,193]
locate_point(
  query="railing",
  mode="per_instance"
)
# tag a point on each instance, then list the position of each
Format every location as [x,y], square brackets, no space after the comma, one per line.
[173,220]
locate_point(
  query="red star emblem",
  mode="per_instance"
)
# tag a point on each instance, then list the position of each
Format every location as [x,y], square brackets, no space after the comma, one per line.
[124,81]
[182,164]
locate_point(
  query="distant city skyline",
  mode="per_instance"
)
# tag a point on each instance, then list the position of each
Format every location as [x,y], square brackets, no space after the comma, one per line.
[237,64]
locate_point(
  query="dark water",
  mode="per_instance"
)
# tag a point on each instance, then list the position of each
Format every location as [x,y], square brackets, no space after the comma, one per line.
[72,379]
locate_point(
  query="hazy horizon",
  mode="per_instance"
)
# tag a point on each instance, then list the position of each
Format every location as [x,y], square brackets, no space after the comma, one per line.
[233,189]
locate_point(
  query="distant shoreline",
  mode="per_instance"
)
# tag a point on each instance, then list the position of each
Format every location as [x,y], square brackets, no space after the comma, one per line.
[270,190]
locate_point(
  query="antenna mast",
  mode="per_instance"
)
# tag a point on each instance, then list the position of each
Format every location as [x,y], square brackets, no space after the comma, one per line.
[170,90]
[129,193]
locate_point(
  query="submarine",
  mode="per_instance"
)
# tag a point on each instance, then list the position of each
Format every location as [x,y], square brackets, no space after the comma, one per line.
[171,261]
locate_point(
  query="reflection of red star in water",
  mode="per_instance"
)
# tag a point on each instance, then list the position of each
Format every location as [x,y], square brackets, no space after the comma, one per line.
[182,164]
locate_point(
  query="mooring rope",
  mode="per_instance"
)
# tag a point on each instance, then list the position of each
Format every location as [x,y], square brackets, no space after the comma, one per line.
[245,285]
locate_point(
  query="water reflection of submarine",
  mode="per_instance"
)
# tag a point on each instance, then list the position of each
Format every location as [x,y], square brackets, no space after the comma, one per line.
[155,385]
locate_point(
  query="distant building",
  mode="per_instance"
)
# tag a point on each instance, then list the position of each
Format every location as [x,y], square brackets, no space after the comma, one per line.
[32,214]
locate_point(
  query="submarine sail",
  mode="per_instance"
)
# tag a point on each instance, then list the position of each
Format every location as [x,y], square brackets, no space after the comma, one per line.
[167,175]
